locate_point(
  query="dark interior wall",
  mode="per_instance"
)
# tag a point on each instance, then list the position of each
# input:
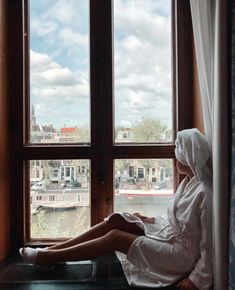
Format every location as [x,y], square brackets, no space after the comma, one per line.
[4,148]
[232,202]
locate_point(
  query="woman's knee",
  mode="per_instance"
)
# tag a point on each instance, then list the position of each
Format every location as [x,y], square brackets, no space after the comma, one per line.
[114,234]
[118,236]
[115,220]
[113,237]
[119,240]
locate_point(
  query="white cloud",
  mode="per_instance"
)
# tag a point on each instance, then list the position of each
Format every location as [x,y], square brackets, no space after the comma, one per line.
[45,71]
[41,62]
[61,23]
[142,61]
[133,18]
[55,76]
[70,38]
[57,92]
[63,11]
[42,28]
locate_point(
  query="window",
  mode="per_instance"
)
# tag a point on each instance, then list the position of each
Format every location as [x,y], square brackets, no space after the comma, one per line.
[131,171]
[94,120]
[140,172]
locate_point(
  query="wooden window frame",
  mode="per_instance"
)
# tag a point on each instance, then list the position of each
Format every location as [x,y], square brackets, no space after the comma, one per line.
[102,151]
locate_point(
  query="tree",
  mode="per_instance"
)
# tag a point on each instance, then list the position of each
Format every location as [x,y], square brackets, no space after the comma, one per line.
[147,164]
[84,134]
[148,130]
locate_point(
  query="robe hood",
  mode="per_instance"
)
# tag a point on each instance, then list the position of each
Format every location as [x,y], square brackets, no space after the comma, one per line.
[191,149]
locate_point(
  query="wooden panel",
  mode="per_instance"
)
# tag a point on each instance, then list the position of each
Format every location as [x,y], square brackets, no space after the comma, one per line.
[15,90]
[184,64]
[4,148]
[101,93]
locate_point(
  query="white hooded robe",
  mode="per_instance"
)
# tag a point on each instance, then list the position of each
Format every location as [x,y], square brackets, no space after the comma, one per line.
[180,245]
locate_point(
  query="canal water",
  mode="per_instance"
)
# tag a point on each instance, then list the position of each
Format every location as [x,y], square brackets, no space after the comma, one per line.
[72,222]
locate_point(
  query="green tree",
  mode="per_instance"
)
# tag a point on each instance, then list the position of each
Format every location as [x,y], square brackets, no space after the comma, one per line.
[148,130]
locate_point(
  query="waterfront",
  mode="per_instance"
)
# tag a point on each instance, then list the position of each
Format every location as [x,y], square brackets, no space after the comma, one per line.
[67,223]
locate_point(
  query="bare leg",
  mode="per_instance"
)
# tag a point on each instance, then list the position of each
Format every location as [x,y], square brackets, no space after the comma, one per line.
[116,221]
[115,240]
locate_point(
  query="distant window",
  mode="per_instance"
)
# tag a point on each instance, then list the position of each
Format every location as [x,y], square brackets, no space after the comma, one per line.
[131,171]
[51,198]
[140,172]
[125,135]
[67,171]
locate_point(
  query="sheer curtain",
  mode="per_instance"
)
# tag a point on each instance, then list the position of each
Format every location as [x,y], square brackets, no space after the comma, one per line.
[209,18]
[203,23]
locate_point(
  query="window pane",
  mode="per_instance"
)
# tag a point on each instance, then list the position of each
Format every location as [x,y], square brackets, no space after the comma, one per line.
[143,185]
[59,198]
[142,54]
[59,72]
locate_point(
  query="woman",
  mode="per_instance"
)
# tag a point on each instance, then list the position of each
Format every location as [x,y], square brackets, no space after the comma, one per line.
[158,252]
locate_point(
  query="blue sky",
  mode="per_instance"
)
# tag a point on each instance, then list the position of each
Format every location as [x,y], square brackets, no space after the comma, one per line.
[59,57]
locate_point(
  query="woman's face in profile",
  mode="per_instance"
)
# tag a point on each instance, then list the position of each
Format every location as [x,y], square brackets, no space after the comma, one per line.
[183,169]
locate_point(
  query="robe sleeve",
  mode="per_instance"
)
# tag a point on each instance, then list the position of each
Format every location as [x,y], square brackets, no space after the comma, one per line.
[160,220]
[202,274]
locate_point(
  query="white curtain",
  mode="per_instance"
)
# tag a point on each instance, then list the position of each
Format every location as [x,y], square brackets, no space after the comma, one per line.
[209,29]
[203,29]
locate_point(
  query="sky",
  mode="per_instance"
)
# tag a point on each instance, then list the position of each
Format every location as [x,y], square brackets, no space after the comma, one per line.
[59,61]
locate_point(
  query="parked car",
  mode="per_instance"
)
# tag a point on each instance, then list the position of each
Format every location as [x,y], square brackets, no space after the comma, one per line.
[160,185]
[70,184]
[39,186]
[76,184]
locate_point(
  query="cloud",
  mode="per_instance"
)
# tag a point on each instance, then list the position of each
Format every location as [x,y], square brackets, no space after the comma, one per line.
[133,18]
[142,61]
[58,93]
[42,28]
[40,62]
[68,38]
[60,23]
[45,71]
[62,11]
[60,58]
[55,76]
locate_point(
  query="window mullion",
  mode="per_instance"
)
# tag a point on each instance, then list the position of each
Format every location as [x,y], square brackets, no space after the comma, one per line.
[184,61]
[101,93]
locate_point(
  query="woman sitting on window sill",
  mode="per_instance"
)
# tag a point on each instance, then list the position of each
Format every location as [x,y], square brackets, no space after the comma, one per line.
[157,251]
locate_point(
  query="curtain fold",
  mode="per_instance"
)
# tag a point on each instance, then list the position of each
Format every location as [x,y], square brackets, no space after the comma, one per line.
[203,23]
[209,20]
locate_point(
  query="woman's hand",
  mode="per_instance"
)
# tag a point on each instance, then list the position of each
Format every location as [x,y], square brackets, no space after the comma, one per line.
[186,284]
[145,219]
